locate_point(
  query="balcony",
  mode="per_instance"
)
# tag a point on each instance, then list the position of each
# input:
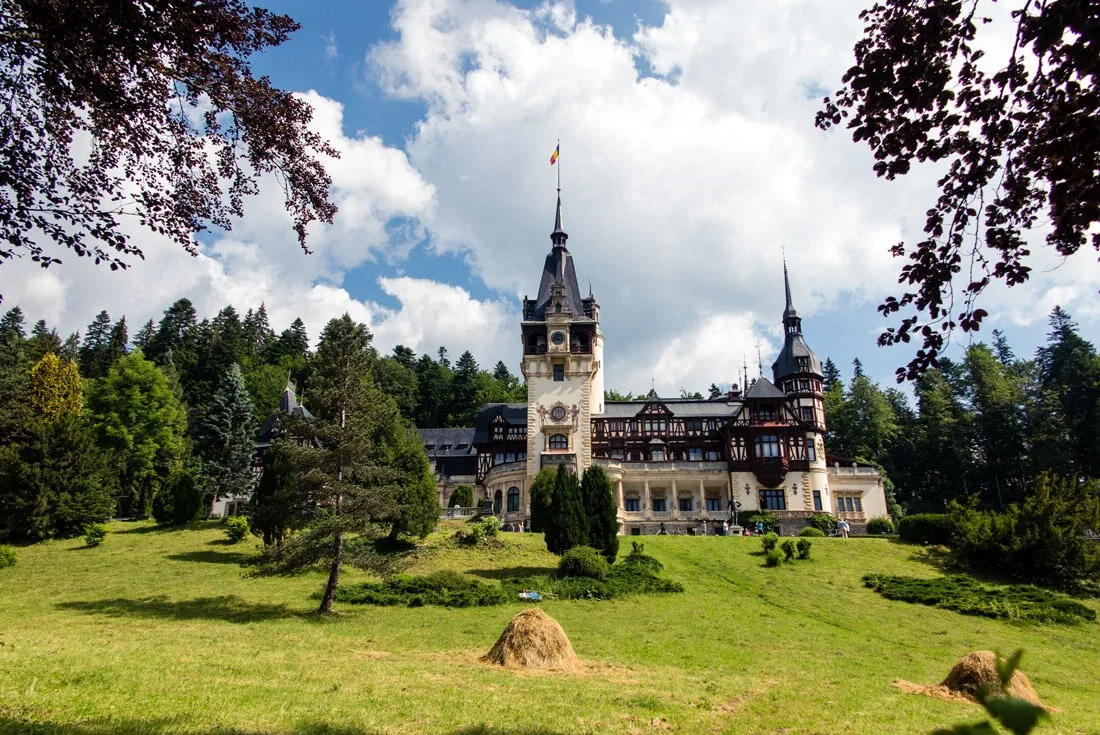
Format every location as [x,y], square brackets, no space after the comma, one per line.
[677,466]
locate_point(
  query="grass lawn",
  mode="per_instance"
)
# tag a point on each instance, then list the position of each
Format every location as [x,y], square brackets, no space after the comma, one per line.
[159,632]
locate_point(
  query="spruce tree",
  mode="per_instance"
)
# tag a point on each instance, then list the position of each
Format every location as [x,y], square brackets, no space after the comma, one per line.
[95,350]
[601,511]
[276,507]
[225,439]
[566,525]
[415,502]
[542,493]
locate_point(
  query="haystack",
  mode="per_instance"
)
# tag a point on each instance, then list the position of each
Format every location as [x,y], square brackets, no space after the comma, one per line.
[533,640]
[979,669]
[970,674]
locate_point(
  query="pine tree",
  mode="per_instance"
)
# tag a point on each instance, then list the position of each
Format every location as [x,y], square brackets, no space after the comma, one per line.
[857,368]
[94,355]
[117,341]
[43,340]
[415,503]
[601,512]
[276,506]
[466,399]
[831,374]
[714,392]
[258,335]
[70,348]
[225,439]
[12,325]
[566,525]
[54,388]
[145,336]
[542,494]
[135,416]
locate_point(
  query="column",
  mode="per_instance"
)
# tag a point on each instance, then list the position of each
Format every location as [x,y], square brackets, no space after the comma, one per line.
[645,499]
[619,493]
[675,500]
[703,498]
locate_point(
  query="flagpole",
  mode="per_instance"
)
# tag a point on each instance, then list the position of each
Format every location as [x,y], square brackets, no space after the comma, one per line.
[559,166]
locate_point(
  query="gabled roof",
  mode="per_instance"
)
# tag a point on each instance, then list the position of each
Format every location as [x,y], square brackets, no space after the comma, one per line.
[763,388]
[451,442]
[515,414]
[686,408]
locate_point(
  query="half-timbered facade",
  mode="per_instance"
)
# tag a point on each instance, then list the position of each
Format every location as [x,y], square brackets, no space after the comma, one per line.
[674,462]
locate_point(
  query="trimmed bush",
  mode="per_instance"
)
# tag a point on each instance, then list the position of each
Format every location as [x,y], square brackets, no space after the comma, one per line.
[769,540]
[811,532]
[236,528]
[773,558]
[749,518]
[583,561]
[462,497]
[880,526]
[804,545]
[788,549]
[824,522]
[7,556]
[927,528]
[967,596]
[94,533]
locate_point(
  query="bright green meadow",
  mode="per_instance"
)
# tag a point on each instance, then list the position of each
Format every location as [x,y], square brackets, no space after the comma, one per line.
[161,631]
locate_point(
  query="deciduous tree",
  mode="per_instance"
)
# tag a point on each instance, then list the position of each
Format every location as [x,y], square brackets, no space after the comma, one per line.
[54,388]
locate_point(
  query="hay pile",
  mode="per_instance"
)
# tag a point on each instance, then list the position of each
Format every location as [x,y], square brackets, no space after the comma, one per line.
[533,640]
[970,674]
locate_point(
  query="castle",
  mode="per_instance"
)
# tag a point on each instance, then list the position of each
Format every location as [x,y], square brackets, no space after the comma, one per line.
[672,462]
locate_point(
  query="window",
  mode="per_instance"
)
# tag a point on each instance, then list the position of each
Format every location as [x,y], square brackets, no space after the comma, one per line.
[850,505]
[559,372]
[559,441]
[632,505]
[817,500]
[811,453]
[695,454]
[859,504]
[498,458]
[429,447]
[513,499]
[463,446]
[658,505]
[497,498]
[685,504]
[767,445]
[693,425]
[764,413]
[714,504]
[804,385]
[712,455]
[509,456]
[658,426]
[657,455]
[807,414]
[557,413]
[444,447]
[773,499]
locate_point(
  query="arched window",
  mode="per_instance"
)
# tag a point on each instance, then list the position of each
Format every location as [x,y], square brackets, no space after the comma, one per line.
[498,497]
[559,441]
[513,499]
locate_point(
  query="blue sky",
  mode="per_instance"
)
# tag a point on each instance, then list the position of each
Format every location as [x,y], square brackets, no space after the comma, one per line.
[690,164]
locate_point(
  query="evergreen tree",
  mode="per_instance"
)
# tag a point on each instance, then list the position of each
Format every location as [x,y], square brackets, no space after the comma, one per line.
[225,439]
[342,459]
[258,335]
[179,500]
[43,340]
[1069,373]
[997,398]
[943,441]
[54,388]
[831,374]
[117,341]
[601,512]
[399,382]
[415,503]
[442,352]
[466,398]
[566,524]
[145,336]
[276,506]
[857,368]
[405,356]
[434,400]
[542,494]
[70,348]
[12,325]
[95,357]
[462,497]
[714,392]
[136,417]
[54,480]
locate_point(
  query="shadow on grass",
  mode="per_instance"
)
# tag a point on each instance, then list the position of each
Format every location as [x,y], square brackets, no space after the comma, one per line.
[214,557]
[510,572]
[226,607]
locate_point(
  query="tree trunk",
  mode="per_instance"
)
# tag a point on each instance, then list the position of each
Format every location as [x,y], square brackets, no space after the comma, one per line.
[333,573]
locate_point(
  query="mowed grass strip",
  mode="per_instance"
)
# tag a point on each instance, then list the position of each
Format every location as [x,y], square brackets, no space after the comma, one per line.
[161,631]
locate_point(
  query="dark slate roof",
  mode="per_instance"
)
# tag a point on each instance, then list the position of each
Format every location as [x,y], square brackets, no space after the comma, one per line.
[763,388]
[288,406]
[514,413]
[458,442]
[558,267]
[787,363]
[683,408]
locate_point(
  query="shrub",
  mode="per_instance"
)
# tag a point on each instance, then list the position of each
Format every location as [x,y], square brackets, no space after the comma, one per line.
[179,500]
[236,528]
[749,519]
[7,556]
[773,558]
[811,532]
[967,596]
[804,545]
[769,540]
[641,561]
[788,549]
[444,588]
[880,526]
[462,497]
[94,533]
[583,561]
[927,528]
[824,522]
[482,531]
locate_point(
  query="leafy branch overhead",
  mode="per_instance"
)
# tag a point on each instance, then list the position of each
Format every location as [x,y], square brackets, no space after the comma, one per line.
[146,111]
[1016,137]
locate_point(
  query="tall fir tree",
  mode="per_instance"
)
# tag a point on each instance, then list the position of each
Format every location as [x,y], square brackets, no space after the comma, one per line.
[225,439]
[95,359]
[542,494]
[566,524]
[601,512]
[466,393]
[145,336]
[276,508]
[117,341]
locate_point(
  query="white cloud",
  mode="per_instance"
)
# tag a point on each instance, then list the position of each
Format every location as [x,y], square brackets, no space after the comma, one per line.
[331,50]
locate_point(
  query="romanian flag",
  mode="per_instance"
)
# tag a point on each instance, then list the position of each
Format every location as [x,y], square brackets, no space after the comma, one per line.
[554,155]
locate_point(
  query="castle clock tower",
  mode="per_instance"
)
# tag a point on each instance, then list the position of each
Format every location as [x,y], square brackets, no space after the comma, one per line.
[562,363]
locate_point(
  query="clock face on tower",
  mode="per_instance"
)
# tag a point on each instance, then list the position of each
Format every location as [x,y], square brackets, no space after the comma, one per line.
[557,338]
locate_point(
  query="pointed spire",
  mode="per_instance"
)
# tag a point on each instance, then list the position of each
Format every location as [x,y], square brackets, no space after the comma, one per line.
[558,236]
[789,311]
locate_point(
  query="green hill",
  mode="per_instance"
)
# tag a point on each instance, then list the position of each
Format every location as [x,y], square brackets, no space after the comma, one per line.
[161,632]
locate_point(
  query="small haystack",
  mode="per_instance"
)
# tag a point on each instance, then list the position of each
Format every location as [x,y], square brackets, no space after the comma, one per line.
[970,674]
[533,640]
[979,669]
